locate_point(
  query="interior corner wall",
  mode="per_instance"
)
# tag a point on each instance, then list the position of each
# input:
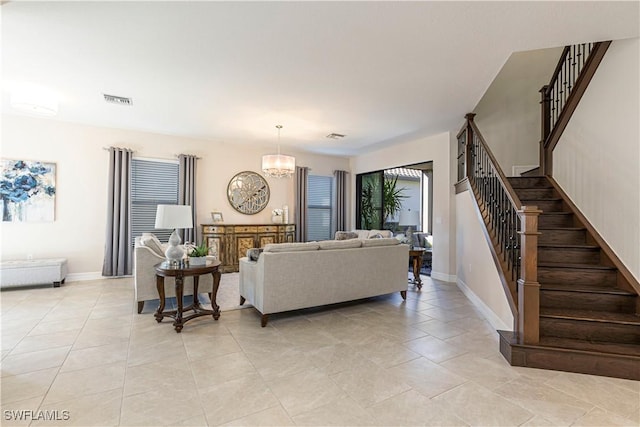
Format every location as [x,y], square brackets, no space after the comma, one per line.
[477,275]
[597,160]
[508,114]
[437,149]
[78,232]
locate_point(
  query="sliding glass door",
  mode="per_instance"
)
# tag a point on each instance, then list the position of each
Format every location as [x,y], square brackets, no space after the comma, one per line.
[369,190]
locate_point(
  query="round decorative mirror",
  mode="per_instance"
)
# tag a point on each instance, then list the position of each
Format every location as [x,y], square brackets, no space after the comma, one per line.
[248,192]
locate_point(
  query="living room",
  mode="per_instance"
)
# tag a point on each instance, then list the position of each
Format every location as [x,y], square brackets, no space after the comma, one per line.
[236,141]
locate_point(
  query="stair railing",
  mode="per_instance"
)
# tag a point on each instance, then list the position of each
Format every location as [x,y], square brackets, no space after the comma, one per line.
[576,67]
[511,227]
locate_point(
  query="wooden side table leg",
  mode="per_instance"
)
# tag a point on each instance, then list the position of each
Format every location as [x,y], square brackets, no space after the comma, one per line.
[160,287]
[416,272]
[179,294]
[214,294]
[196,301]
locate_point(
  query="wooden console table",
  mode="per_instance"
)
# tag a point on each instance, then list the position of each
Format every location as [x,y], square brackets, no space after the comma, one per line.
[229,242]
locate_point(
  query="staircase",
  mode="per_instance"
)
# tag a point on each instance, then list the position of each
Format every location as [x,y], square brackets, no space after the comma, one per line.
[588,321]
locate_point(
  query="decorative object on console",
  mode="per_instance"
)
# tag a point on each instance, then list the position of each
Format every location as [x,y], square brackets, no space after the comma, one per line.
[285,214]
[174,216]
[248,192]
[278,165]
[28,191]
[216,217]
[277,216]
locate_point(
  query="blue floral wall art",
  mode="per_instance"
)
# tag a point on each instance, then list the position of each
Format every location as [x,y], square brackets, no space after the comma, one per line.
[28,190]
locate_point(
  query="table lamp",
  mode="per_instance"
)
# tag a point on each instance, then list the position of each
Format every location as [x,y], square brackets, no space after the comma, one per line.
[174,216]
[409,218]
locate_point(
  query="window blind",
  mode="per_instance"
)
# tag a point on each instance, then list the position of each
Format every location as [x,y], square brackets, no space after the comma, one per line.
[153,183]
[319,207]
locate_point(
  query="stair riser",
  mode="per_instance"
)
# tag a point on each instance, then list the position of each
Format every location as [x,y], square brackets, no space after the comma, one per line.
[536,193]
[587,301]
[565,237]
[571,361]
[590,331]
[530,183]
[569,255]
[545,205]
[551,220]
[577,275]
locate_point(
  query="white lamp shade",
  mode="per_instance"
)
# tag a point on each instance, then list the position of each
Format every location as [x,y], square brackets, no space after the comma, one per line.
[174,216]
[409,217]
[278,165]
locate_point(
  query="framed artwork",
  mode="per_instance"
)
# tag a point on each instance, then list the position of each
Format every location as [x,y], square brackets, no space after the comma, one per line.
[28,190]
[216,217]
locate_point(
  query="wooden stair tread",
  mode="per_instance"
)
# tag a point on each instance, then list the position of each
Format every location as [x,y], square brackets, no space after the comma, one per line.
[567,246]
[591,346]
[563,228]
[538,199]
[597,289]
[592,316]
[576,266]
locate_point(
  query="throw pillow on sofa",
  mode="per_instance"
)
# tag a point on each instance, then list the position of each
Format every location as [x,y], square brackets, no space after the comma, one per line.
[152,242]
[346,235]
[254,253]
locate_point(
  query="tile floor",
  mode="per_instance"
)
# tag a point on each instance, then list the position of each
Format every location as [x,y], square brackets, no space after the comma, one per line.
[432,360]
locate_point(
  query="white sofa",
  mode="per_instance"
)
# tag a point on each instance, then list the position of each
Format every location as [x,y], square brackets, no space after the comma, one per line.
[291,276]
[148,251]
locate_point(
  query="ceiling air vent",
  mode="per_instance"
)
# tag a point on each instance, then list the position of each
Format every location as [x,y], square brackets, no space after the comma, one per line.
[335,136]
[119,100]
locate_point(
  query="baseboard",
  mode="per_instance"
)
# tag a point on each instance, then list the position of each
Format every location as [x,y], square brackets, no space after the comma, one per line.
[491,317]
[78,277]
[442,276]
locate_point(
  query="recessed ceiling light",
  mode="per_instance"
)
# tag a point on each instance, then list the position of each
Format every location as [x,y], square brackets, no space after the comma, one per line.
[335,136]
[34,99]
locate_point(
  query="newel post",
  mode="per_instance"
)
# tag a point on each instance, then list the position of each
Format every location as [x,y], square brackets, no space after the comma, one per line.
[545,156]
[468,160]
[528,286]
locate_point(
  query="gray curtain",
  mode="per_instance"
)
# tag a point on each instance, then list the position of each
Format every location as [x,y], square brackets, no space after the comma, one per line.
[187,192]
[341,199]
[302,175]
[118,252]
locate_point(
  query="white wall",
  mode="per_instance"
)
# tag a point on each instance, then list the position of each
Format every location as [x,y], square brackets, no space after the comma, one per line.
[508,115]
[597,160]
[436,148]
[477,275]
[81,180]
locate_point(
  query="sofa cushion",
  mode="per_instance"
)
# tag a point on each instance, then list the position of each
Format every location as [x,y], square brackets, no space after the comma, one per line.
[382,233]
[346,235]
[152,242]
[291,247]
[383,241]
[340,244]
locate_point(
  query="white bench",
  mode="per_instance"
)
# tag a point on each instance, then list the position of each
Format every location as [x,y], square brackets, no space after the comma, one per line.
[33,272]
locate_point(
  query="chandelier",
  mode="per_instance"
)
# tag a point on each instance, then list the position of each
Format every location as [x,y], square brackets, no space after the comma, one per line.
[278,165]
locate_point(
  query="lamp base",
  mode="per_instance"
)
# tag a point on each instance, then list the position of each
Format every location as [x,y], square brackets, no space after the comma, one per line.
[174,253]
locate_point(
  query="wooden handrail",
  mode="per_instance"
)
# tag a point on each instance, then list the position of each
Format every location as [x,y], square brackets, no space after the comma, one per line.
[561,96]
[513,197]
[510,228]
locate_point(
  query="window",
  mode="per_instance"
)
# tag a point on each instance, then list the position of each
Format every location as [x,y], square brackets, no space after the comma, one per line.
[153,183]
[319,207]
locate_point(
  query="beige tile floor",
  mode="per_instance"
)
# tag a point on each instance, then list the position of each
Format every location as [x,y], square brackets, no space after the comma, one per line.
[432,360]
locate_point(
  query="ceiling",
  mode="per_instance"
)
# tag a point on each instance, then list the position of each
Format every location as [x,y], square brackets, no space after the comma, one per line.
[378,72]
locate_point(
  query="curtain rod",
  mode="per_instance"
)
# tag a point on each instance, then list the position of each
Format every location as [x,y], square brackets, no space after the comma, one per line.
[119,148]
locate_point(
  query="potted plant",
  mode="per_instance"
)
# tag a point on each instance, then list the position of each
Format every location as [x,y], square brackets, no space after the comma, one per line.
[198,254]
